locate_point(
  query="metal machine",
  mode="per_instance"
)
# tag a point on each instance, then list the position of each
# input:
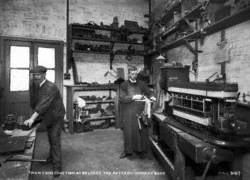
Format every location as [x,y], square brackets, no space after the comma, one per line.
[211,105]
[198,134]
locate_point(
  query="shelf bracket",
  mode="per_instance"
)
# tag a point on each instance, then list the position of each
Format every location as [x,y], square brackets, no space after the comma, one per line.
[190,48]
[111,55]
[188,23]
[111,59]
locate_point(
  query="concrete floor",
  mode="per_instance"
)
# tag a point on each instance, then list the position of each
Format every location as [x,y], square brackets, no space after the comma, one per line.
[96,153]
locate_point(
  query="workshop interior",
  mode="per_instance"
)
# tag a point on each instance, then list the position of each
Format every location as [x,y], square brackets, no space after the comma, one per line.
[70,108]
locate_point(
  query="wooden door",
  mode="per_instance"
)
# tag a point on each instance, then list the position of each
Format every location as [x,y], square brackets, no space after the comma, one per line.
[20,57]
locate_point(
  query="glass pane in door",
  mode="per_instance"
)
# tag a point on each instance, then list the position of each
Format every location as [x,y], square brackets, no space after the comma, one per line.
[19,57]
[19,80]
[46,57]
[50,75]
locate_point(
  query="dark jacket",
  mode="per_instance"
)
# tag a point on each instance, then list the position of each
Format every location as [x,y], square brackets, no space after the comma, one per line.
[134,138]
[128,90]
[49,104]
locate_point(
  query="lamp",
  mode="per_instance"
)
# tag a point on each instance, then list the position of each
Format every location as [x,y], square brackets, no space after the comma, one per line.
[160,57]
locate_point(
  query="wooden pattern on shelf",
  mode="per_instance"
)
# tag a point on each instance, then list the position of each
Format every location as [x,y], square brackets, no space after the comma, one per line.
[224,23]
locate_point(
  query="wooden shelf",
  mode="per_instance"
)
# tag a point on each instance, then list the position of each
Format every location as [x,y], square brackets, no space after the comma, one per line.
[244,104]
[89,52]
[99,118]
[99,101]
[191,14]
[87,27]
[130,54]
[167,15]
[169,31]
[220,25]
[229,21]
[90,39]
[180,41]
[224,23]
[177,42]
[106,40]
[71,89]
[80,87]
[97,52]
[127,42]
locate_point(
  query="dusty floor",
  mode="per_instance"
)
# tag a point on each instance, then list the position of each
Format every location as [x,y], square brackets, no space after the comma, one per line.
[97,154]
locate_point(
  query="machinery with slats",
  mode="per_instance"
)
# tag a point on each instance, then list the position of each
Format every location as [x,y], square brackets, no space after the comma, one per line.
[199,133]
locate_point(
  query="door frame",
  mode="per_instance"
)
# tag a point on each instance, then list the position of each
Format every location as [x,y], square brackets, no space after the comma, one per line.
[46,43]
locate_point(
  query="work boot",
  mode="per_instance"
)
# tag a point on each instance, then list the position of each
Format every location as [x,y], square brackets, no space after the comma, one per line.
[142,155]
[124,155]
[57,172]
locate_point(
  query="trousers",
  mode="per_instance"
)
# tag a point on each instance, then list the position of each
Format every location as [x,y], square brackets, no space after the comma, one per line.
[54,137]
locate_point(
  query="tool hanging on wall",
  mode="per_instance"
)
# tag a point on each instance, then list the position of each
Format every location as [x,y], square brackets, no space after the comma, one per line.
[130,51]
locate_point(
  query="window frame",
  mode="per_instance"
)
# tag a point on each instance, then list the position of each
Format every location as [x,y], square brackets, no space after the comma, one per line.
[18,68]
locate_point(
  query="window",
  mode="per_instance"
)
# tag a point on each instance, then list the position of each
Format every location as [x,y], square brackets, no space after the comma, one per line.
[19,68]
[46,58]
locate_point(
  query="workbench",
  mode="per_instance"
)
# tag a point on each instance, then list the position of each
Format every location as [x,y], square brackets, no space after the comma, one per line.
[19,169]
[185,147]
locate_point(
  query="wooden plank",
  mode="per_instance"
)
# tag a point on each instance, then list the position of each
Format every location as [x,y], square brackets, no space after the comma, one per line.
[167,15]
[227,22]
[79,26]
[100,101]
[99,118]
[79,87]
[192,13]
[224,23]
[17,169]
[106,40]
[90,52]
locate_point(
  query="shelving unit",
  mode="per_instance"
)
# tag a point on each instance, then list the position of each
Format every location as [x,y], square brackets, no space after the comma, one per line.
[99,118]
[90,87]
[167,13]
[94,39]
[193,29]
[226,22]
[191,15]
[71,89]
[104,28]
[108,53]
[105,38]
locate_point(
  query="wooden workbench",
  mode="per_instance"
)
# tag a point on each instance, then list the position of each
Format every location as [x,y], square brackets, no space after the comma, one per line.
[18,169]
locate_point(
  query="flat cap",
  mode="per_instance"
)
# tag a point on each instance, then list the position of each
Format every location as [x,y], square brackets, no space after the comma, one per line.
[38,70]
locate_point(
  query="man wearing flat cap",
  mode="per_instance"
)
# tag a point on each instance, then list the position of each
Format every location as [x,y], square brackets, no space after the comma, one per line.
[49,107]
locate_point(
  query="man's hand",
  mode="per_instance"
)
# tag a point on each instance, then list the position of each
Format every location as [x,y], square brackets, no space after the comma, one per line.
[29,122]
[137,97]
[153,98]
